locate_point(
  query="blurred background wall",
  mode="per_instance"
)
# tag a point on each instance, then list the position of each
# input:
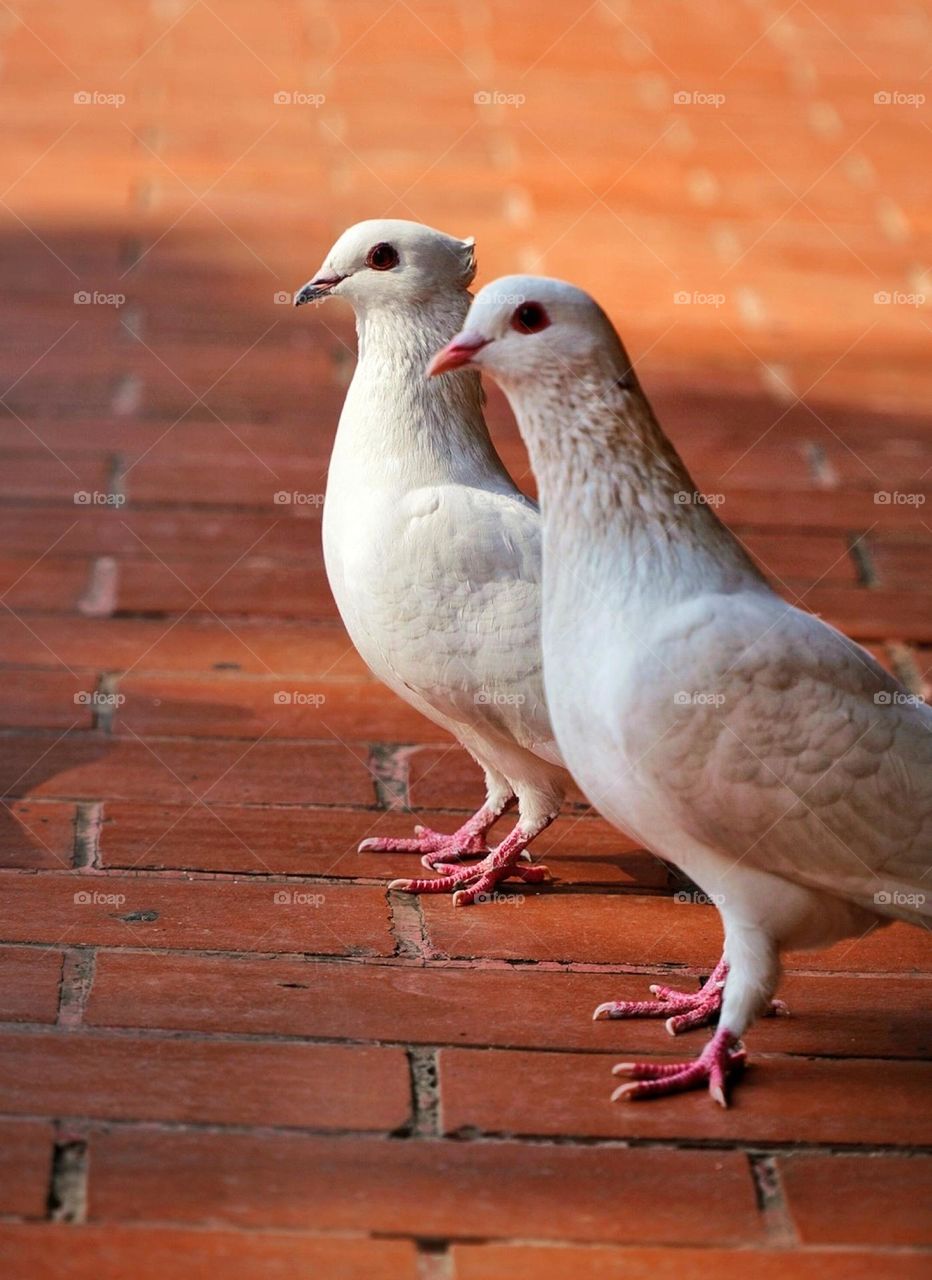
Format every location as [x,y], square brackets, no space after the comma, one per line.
[744,184]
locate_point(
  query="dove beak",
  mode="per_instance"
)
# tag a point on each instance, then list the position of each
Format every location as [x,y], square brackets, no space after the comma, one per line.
[317,288]
[457,353]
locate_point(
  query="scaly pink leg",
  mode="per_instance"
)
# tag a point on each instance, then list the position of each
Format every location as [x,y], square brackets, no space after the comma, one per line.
[440,846]
[688,1008]
[471,883]
[719,1058]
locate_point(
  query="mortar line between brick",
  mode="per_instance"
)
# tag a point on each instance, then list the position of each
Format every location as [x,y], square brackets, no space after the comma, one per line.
[425,1091]
[499,963]
[779,1228]
[99,597]
[408,926]
[860,554]
[389,764]
[77,1127]
[88,819]
[74,988]
[905,665]
[66,1200]
[434,1260]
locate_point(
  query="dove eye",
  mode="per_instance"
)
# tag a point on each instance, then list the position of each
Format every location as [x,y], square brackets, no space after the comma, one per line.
[530,317]
[382,257]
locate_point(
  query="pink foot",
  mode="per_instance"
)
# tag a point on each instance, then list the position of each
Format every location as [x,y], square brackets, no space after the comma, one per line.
[688,1009]
[718,1060]
[473,882]
[438,847]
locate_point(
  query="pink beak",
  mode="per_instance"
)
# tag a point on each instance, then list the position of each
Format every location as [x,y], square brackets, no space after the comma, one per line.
[457,353]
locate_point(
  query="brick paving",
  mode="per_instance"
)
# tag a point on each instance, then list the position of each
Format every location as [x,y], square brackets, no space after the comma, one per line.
[223,1043]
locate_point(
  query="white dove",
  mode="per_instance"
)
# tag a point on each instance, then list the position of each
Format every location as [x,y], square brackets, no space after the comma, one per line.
[760,750]
[432,552]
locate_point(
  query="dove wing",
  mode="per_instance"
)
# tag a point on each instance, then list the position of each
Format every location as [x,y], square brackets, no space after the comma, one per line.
[815,765]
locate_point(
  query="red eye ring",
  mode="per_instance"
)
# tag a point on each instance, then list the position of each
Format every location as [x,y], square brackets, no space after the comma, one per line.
[382,257]
[529,317]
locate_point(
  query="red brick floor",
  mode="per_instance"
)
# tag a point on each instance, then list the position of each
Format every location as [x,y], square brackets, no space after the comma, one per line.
[224,1047]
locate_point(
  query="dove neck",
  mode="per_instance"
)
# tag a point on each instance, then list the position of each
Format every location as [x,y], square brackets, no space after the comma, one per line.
[401,426]
[617,498]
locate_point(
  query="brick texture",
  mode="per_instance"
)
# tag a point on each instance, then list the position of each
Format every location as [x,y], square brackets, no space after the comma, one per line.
[225,1045]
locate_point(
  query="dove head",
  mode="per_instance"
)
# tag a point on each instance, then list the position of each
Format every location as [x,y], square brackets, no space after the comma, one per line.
[388,262]
[530,330]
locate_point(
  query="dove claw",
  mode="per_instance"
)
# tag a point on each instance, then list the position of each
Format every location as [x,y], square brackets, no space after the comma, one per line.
[681,1010]
[718,1059]
[442,846]
[474,882]
[434,846]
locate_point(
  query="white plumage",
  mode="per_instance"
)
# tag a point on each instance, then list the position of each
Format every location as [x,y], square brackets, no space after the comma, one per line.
[432,552]
[759,749]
